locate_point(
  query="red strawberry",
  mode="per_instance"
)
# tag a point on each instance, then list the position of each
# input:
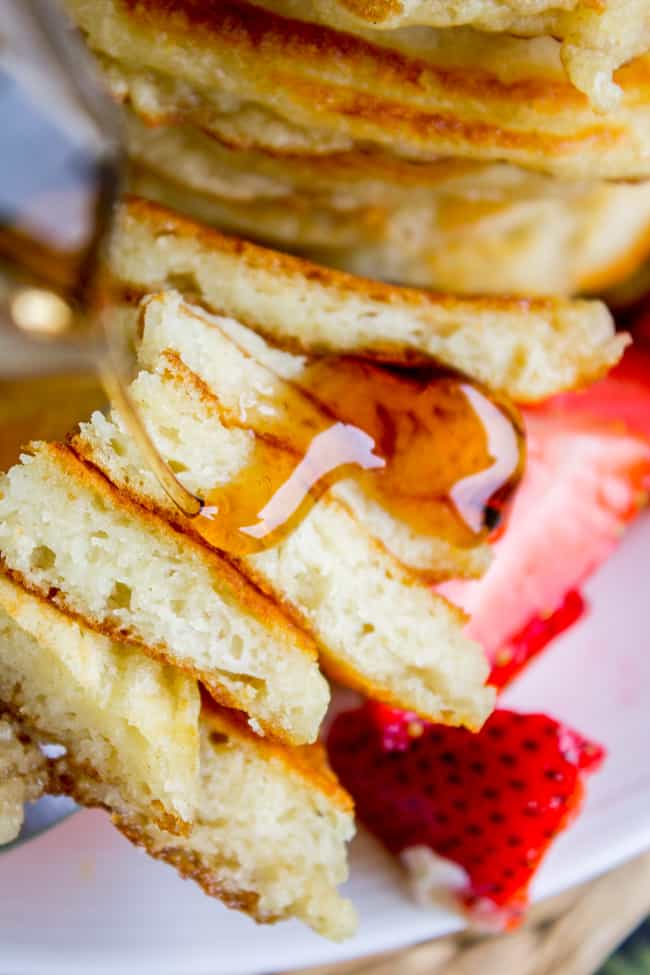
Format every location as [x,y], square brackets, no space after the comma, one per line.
[521,648]
[587,475]
[620,401]
[490,802]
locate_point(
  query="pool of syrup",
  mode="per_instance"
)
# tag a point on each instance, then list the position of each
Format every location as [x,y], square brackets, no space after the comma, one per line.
[434,451]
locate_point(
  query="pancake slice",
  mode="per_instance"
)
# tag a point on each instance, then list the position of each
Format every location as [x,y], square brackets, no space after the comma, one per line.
[69,536]
[458,227]
[271,828]
[269,393]
[529,349]
[128,722]
[379,627]
[23,776]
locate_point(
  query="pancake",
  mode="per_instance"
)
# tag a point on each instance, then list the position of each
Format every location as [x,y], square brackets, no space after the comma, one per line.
[129,574]
[220,356]
[529,349]
[208,162]
[580,241]
[23,777]
[379,627]
[597,38]
[258,79]
[271,828]
[225,451]
[127,721]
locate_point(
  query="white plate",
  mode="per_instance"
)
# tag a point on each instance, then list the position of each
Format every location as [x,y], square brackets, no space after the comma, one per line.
[79,899]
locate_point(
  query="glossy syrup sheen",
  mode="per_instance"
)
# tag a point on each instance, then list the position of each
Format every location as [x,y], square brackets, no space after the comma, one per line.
[433,450]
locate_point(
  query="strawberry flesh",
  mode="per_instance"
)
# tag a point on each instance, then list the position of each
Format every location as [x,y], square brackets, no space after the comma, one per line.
[619,402]
[587,476]
[525,645]
[490,802]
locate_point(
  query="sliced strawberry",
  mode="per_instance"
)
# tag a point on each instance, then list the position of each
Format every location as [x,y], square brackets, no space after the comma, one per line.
[490,802]
[620,401]
[521,648]
[587,475]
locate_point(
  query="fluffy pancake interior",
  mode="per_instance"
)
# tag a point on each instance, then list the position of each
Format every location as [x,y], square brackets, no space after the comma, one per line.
[130,721]
[241,370]
[528,349]
[128,572]
[379,628]
[269,837]
[23,777]
[436,226]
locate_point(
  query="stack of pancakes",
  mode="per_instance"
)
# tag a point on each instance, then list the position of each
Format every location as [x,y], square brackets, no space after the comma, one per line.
[178,666]
[181,676]
[470,147]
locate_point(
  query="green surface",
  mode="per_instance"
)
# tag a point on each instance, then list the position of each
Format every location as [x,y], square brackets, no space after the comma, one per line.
[633,958]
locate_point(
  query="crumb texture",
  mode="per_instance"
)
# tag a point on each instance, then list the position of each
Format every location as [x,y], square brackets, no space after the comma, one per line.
[267,839]
[130,721]
[127,572]
[23,777]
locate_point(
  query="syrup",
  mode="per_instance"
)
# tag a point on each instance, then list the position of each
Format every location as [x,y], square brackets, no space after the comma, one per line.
[272,494]
[433,450]
[43,408]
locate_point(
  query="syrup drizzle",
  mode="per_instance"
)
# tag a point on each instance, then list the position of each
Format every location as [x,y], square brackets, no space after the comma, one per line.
[336,447]
[472,494]
[434,451]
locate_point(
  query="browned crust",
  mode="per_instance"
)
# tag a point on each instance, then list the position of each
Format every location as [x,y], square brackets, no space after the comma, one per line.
[337,668]
[188,864]
[367,224]
[162,221]
[373,11]
[356,164]
[249,596]
[191,867]
[124,636]
[386,96]
[63,773]
[308,762]
[255,30]
[432,127]
[221,695]
[423,126]
[235,584]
